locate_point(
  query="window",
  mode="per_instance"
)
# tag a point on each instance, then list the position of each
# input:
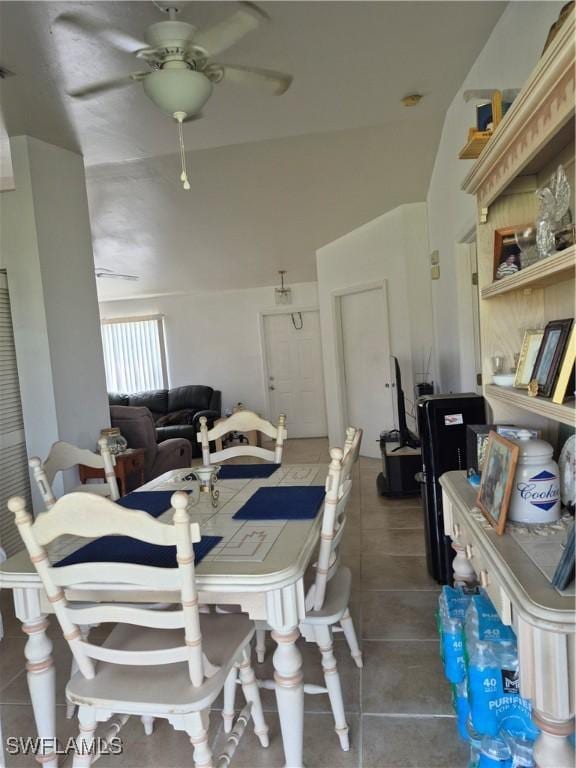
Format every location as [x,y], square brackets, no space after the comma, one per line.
[134,354]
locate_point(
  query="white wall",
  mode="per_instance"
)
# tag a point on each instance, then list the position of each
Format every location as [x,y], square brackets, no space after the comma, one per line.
[213,338]
[451,212]
[393,247]
[47,252]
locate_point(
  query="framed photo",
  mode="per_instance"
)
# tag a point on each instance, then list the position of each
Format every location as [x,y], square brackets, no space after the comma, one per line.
[528,354]
[497,479]
[550,355]
[506,252]
[566,380]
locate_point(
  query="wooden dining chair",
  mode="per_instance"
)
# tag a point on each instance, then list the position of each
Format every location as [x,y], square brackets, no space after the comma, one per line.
[326,600]
[242,421]
[154,664]
[64,456]
[351,454]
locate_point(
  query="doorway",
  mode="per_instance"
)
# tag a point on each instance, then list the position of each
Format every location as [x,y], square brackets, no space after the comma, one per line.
[365,363]
[293,371]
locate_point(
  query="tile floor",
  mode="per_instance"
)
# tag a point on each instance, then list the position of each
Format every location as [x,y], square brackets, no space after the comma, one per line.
[398,705]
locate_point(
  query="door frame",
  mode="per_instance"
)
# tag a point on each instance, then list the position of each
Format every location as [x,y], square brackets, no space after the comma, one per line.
[283,310]
[336,308]
[470,349]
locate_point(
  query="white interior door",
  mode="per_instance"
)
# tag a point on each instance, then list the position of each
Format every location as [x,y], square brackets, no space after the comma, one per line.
[366,362]
[294,372]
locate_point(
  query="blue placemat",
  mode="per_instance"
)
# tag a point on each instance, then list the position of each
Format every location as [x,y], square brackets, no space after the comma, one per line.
[153,502]
[283,502]
[242,471]
[123,549]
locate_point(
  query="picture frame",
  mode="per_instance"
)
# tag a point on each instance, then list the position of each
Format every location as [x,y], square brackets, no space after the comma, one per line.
[506,252]
[566,372]
[550,355]
[497,480]
[528,354]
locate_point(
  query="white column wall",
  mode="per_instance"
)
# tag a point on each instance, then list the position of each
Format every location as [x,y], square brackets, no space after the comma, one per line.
[47,252]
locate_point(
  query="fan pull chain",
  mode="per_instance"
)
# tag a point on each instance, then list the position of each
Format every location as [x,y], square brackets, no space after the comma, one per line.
[179,116]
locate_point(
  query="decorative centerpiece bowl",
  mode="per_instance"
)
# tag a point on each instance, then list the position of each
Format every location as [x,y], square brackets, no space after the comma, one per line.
[504,379]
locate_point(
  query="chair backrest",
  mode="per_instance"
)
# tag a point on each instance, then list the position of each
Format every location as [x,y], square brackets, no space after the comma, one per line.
[137,425]
[63,456]
[242,421]
[86,515]
[338,487]
[351,449]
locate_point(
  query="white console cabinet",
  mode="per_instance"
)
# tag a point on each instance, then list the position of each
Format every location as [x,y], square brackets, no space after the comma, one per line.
[543,619]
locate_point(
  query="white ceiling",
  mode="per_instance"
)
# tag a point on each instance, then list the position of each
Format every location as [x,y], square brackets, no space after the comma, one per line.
[352,63]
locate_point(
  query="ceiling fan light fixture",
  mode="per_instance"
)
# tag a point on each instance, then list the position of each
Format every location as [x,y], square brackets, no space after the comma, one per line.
[178,90]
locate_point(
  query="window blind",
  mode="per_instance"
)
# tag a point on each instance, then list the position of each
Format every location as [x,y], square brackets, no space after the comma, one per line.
[14,478]
[134,354]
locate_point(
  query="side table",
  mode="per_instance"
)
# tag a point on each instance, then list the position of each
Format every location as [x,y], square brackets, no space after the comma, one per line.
[129,470]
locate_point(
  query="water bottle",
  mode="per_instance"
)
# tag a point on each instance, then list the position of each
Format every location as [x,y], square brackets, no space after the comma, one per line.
[461,708]
[494,753]
[521,749]
[475,740]
[483,677]
[452,606]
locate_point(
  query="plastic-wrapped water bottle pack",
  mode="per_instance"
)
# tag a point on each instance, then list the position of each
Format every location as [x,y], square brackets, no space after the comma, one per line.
[481,661]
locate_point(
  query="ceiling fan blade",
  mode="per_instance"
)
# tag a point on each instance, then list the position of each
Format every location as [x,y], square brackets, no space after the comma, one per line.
[275,82]
[115,37]
[106,85]
[115,275]
[224,34]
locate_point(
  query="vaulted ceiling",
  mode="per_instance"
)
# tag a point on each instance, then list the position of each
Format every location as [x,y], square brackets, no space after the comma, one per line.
[273,177]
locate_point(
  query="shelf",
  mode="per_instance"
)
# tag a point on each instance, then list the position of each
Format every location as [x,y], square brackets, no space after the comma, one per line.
[555,269]
[540,119]
[541,406]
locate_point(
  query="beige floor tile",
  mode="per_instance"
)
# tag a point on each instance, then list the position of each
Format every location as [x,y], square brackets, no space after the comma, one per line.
[321,745]
[393,542]
[11,661]
[18,723]
[401,615]
[410,742]
[371,500]
[16,692]
[11,623]
[392,519]
[386,572]
[404,678]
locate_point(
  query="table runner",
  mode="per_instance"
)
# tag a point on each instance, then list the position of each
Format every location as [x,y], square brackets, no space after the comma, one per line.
[283,502]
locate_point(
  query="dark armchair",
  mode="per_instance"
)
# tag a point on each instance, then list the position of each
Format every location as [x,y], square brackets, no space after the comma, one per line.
[137,426]
[176,412]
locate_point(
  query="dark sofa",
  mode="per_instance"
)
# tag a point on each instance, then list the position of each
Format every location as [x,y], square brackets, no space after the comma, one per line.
[176,412]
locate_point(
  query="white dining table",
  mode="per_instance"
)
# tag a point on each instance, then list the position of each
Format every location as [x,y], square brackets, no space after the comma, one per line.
[258,565]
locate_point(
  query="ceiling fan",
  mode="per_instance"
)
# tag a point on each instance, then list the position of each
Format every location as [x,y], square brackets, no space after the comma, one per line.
[181,71]
[110,273]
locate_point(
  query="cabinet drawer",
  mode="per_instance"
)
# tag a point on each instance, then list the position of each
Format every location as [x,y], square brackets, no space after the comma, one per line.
[487,578]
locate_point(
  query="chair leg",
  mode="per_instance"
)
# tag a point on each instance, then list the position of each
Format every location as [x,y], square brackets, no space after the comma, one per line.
[252,694]
[260,645]
[198,734]
[350,634]
[229,699]
[84,742]
[148,723]
[323,637]
[71,708]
